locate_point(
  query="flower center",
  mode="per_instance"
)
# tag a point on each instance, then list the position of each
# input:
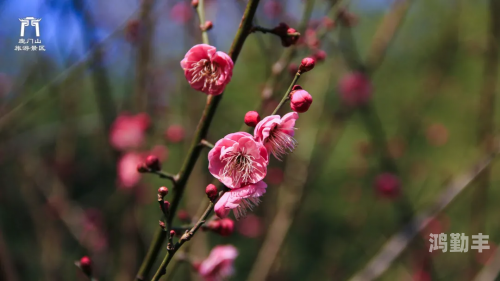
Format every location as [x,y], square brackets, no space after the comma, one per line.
[280,143]
[238,167]
[204,69]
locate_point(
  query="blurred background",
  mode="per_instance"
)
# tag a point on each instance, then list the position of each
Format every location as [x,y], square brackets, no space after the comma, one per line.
[358,176]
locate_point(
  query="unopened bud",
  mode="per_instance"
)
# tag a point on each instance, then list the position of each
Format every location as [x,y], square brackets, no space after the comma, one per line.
[207,26]
[162,191]
[86,265]
[141,168]
[162,224]
[223,227]
[166,205]
[284,32]
[300,101]
[319,55]
[172,233]
[252,118]
[195,3]
[153,163]
[306,65]
[211,191]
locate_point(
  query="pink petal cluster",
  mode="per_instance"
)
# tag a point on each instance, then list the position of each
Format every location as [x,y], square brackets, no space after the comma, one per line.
[300,101]
[219,264]
[277,133]
[207,70]
[240,200]
[128,176]
[128,131]
[238,159]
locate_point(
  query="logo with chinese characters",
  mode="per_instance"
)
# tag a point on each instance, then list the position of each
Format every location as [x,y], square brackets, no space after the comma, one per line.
[30,44]
[458,242]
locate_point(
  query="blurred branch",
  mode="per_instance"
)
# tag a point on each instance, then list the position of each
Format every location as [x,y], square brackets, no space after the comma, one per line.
[195,150]
[399,241]
[385,33]
[486,120]
[144,50]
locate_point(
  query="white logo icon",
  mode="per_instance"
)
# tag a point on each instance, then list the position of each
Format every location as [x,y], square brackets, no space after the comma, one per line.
[34,22]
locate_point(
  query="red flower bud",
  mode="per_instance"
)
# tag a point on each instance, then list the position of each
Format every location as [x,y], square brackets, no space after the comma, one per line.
[223,227]
[296,87]
[319,55]
[355,89]
[166,204]
[86,265]
[162,224]
[207,26]
[172,233]
[252,118]
[162,191]
[153,163]
[306,65]
[195,3]
[141,168]
[283,31]
[211,191]
[300,101]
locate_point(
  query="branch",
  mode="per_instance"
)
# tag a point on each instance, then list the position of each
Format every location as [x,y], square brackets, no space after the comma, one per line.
[399,241]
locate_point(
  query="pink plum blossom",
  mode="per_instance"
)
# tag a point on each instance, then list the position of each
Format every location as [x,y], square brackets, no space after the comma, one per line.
[219,264]
[207,70]
[237,160]
[128,176]
[128,131]
[240,200]
[277,133]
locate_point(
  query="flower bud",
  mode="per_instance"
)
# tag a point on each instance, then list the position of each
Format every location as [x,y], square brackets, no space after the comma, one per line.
[306,65]
[86,265]
[207,26]
[162,191]
[223,227]
[195,3]
[211,191]
[153,163]
[252,118]
[172,233]
[319,55]
[355,89]
[300,101]
[162,224]
[387,185]
[284,31]
[141,168]
[166,205]
[296,87]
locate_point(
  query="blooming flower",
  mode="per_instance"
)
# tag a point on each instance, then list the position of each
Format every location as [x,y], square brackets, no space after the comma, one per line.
[219,264]
[237,159]
[127,169]
[128,131]
[206,69]
[240,200]
[277,133]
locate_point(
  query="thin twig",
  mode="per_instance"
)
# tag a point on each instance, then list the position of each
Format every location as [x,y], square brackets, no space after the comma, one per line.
[399,241]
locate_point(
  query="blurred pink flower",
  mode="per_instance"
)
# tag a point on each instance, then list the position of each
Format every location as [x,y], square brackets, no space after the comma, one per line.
[181,12]
[160,151]
[219,264]
[127,169]
[175,133]
[237,159]
[128,131]
[240,200]
[355,89]
[207,70]
[251,226]
[272,9]
[277,133]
